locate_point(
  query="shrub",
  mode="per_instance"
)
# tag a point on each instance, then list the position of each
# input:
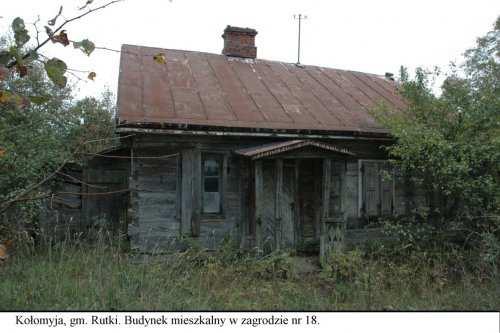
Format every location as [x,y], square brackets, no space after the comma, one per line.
[489,255]
[344,266]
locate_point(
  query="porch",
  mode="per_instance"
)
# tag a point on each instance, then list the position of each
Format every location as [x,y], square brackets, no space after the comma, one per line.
[295,197]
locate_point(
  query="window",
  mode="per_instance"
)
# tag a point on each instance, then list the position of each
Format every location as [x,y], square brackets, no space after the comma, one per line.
[377,188]
[212,183]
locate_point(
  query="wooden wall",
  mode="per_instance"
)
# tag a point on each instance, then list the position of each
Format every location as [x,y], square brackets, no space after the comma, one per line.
[153,194]
[87,200]
[155,200]
[61,214]
[108,176]
[214,231]
[166,206]
[260,203]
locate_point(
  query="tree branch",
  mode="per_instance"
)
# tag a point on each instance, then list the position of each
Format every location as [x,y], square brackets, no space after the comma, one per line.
[6,204]
[40,45]
[81,181]
[37,31]
[20,196]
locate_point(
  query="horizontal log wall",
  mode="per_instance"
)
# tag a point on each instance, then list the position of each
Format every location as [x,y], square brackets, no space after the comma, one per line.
[155,200]
[61,214]
[108,210]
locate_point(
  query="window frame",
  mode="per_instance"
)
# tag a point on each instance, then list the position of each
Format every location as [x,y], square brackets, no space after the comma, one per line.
[220,158]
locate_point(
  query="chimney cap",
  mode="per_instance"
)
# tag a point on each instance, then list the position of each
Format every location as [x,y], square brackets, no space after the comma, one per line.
[247,31]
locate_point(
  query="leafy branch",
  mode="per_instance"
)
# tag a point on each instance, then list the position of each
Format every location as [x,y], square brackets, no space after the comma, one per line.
[29,189]
[59,28]
[18,58]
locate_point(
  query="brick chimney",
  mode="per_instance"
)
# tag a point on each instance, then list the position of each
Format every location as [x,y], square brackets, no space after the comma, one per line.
[239,42]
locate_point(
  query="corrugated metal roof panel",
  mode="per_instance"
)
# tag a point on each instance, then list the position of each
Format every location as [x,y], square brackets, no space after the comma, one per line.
[196,88]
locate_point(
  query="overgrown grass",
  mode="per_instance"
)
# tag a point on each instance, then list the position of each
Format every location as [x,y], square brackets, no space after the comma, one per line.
[104,277]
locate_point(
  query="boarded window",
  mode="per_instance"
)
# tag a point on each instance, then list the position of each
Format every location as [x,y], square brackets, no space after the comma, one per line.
[212,183]
[377,188]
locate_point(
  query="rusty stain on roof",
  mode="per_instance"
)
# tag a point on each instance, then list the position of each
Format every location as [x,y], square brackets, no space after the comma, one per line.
[281,147]
[203,89]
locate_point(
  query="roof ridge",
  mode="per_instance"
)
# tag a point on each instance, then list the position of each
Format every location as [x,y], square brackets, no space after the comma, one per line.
[381,76]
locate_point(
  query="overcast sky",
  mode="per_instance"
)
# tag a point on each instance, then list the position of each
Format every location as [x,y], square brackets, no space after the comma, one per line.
[369,36]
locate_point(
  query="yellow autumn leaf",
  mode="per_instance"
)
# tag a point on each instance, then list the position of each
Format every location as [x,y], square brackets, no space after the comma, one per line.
[160,58]
[8,97]
[5,96]
[92,76]
[2,152]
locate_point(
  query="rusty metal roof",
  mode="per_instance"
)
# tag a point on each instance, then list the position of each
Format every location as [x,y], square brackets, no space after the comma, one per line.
[196,88]
[282,147]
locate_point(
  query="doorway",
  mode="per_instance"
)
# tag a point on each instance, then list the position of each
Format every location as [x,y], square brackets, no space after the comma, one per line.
[308,199]
[289,205]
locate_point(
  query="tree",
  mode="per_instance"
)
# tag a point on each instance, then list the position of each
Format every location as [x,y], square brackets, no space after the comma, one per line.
[32,106]
[32,141]
[39,138]
[97,122]
[450,144]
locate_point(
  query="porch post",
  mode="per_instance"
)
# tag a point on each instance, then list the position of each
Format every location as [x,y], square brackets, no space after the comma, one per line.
[278,208]
[325,210]
[186,192]
[259,200]
[196,192]
[332,227]
[327,176]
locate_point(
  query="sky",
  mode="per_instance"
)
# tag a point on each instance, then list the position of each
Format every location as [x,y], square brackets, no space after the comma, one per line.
[367,36]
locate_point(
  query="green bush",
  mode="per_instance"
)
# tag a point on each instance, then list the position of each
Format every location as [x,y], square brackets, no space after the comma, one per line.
[449,144]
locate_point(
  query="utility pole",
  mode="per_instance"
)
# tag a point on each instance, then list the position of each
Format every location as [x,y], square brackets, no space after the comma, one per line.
[299,17]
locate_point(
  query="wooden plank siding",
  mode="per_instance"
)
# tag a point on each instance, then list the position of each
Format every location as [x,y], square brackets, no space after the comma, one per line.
[158,225]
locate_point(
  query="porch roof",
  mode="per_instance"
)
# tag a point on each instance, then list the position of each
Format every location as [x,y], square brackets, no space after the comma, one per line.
[282,147]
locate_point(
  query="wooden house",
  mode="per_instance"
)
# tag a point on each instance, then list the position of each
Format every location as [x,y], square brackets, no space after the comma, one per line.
[266,153]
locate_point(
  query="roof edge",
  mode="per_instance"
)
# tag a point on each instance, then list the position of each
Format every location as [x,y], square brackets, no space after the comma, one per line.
[261,134]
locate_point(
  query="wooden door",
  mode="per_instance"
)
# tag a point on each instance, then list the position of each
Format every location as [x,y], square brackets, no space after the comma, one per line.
[309,201]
